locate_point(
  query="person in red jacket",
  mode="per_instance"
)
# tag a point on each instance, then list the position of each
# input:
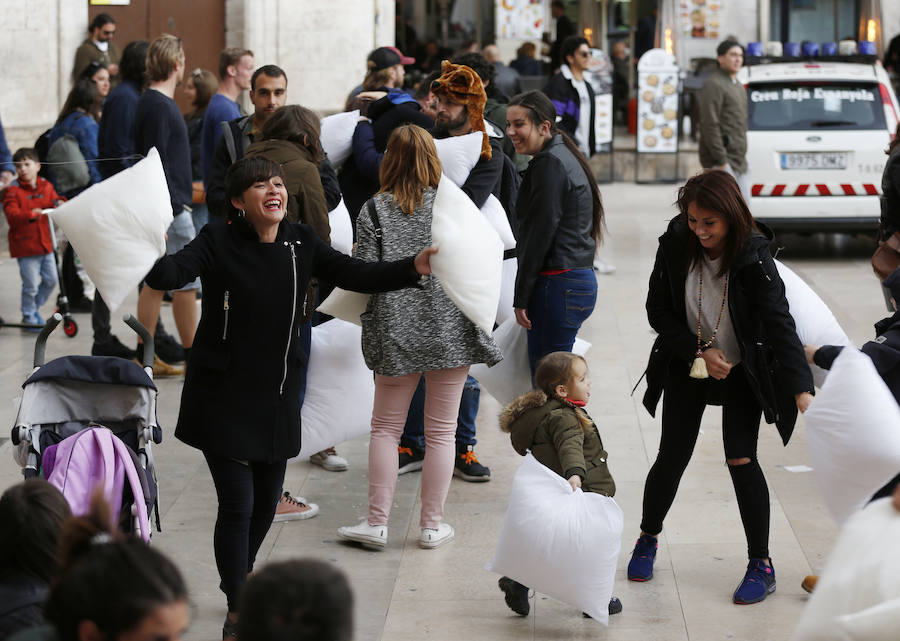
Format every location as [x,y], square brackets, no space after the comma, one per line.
[29,232]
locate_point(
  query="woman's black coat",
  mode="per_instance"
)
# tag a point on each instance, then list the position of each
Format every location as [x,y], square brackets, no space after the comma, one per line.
[770,349]
[242,387]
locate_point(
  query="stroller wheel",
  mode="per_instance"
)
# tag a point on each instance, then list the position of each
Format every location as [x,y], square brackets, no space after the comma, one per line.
[70,327]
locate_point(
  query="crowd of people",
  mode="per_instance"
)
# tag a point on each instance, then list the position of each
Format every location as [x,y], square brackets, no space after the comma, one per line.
[250,196]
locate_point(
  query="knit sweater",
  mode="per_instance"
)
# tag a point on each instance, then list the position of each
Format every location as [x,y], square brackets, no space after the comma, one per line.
[414,330]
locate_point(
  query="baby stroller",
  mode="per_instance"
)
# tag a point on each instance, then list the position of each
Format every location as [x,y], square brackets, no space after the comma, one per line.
[74,395]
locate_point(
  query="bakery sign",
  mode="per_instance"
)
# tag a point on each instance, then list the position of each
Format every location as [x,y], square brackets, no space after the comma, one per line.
[657,110]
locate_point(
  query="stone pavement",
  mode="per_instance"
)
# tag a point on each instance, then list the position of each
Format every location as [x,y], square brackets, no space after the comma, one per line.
[405,593]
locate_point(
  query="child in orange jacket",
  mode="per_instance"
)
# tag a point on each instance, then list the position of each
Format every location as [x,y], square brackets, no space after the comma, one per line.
[29,232]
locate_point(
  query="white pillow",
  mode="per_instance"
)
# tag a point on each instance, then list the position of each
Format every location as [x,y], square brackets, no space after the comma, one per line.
[341,228]
[337,136]
[469,260]
[347,306]
[458,155]
[558,542]
[853,434]
[505,309]
[858,593]
[118,227]
[340,389]
[511,377]
[816,325]
[496,215]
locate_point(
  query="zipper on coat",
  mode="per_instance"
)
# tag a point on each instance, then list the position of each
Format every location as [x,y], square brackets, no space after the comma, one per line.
[225,307]
[287,348]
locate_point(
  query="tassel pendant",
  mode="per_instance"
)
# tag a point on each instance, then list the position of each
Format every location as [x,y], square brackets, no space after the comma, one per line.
[698,369]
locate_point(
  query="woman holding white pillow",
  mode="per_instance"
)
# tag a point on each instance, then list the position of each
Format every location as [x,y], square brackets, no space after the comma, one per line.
[241,399]
[560,218]
[408,333]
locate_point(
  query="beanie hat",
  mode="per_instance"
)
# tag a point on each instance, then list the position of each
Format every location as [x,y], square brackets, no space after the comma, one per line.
[462,85]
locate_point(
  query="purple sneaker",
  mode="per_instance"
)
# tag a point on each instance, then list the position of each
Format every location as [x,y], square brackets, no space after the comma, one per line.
[758,583]
[640,568]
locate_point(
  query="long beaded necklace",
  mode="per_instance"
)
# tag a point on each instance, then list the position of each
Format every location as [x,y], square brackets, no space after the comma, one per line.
[698,369]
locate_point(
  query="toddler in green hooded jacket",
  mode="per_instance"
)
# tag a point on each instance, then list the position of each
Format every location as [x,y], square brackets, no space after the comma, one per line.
[551,422]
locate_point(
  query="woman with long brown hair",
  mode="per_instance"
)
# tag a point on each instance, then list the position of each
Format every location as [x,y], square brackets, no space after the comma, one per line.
[726,338]
[409,333]
[560,219]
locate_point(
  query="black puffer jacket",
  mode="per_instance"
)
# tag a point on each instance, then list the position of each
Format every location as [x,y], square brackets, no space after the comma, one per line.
[241,391]
[555,217]
[770,349]
[359,174]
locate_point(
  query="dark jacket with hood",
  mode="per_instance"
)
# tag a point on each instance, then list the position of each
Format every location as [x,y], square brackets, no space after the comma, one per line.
[567,102]
[551,430]
[359,174]
[241,395]
[771,352]
[554,216]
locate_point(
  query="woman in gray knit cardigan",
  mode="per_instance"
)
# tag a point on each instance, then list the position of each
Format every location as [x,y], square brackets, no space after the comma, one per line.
[409,332]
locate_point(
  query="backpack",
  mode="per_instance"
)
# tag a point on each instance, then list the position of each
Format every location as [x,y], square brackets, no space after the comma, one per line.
[96,458]
[69,169]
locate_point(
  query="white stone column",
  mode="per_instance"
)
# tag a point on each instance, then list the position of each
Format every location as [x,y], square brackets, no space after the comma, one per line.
[38,49]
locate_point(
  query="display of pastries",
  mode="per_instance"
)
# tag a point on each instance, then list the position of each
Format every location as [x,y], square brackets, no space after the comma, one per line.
[667,132]
[650,141]
[649,124]
[648,96]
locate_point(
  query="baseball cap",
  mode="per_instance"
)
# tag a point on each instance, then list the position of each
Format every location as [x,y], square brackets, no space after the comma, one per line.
[384,57]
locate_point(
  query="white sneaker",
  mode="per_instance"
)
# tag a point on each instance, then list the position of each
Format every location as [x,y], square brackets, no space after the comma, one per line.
[602,267]
[431,538]
[370,535]
[329,460]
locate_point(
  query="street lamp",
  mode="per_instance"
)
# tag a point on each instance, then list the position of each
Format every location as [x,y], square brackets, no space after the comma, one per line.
[870,25]
[666,32]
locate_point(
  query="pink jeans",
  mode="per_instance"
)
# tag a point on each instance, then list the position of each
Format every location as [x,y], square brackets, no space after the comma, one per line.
[443,391]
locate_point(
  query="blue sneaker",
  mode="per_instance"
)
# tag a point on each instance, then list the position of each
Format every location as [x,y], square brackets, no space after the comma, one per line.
[640,568]
[758,583]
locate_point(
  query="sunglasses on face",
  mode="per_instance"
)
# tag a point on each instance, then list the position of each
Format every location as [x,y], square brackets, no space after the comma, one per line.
[583,54]
[108,32]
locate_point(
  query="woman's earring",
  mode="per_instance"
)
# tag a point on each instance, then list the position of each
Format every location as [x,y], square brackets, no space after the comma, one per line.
[241,213]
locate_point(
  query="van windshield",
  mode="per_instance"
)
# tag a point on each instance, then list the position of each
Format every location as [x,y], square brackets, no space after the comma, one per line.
[814,105]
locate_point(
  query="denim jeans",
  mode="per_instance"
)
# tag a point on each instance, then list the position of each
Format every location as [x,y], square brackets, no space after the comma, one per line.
[199,216]
[559,305]
[38,280]
[414,430]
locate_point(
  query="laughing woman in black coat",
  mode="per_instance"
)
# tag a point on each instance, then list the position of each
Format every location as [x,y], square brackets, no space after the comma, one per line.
[240,403]
[725,338]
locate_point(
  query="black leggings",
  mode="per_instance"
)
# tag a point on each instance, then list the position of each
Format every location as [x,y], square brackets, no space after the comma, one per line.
[683,404]
[248,494]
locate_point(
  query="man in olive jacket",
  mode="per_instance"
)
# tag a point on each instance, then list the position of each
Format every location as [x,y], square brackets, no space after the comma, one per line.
[723,117]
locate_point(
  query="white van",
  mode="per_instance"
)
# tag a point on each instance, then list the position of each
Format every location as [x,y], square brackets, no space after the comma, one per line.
[817,132]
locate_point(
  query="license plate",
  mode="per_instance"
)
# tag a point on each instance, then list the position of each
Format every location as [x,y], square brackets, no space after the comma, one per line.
[814,160]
